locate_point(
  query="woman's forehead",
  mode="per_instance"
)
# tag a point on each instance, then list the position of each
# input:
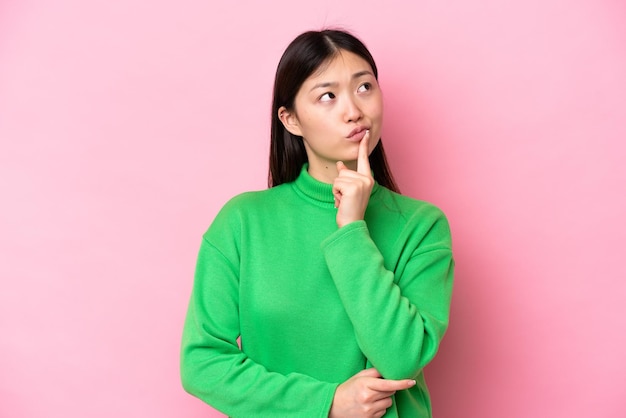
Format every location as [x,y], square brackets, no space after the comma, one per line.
[339,62]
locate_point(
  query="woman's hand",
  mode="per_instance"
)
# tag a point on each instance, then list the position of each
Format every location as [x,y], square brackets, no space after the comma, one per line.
[352,188]
[365,395]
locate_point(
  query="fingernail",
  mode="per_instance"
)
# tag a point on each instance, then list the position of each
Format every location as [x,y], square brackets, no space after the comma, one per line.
[412,383]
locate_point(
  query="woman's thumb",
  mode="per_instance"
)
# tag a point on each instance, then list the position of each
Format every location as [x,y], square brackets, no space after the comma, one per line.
[372,372]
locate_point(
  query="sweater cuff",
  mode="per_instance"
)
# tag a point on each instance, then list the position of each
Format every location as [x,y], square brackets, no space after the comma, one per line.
[356,227]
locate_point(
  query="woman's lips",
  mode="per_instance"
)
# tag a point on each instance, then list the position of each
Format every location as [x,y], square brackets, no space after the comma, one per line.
[357,134]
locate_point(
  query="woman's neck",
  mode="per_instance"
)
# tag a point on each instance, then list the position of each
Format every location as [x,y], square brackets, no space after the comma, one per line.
[326,172]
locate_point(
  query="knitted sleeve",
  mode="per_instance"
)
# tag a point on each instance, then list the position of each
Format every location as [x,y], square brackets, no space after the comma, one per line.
[213,368]
[399,316]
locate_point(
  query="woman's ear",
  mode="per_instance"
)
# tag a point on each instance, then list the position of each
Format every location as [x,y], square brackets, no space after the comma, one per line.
[289,120]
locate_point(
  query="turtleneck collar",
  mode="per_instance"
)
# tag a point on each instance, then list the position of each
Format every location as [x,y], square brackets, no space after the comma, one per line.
[318,192]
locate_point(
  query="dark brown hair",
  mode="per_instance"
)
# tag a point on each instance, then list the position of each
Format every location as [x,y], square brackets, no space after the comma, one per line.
[302,58]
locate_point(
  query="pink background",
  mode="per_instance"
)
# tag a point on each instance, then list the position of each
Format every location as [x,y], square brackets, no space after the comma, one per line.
[126,125]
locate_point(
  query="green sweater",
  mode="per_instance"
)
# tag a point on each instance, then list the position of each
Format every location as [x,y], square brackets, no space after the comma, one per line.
[312,303]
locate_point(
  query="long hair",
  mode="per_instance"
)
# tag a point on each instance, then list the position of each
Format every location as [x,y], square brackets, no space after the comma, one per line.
[302,58]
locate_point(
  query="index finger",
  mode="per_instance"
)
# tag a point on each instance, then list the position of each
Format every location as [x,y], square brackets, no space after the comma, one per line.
[384,385]
[363,161]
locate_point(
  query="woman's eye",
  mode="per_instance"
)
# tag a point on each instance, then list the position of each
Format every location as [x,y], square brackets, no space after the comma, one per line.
[364,87]
[327,97]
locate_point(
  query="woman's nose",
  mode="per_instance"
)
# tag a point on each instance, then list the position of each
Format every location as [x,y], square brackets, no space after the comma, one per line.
[352,111]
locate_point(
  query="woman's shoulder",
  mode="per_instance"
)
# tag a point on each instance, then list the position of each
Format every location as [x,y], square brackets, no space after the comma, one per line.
[250,202]
[243,206]
[253,198]
[413,218]
[408,205]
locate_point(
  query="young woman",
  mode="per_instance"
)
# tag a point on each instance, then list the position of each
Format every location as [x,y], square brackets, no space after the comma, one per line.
[337,286]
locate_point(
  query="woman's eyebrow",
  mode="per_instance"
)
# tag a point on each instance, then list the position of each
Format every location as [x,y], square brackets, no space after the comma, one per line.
[362,73]
[326,84]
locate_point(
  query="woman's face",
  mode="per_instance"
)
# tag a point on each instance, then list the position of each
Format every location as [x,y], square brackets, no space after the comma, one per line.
[332,110]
